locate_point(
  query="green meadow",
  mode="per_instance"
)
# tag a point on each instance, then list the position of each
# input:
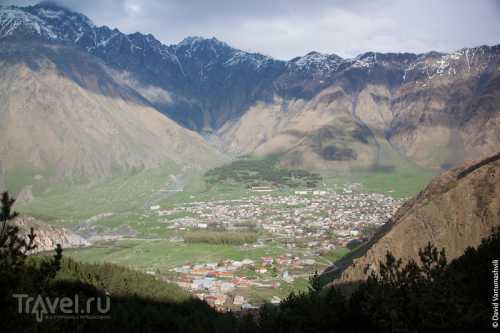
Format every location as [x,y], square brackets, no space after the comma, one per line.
[163,255]
[121,193]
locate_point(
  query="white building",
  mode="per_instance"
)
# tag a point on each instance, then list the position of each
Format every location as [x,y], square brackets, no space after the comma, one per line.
[238,300]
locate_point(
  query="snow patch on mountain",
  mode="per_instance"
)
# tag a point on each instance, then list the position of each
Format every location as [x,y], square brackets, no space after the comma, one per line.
[55,23]
[367,60]
[190,47]
[14,20]
[316,62]
[254,60]
[433,64]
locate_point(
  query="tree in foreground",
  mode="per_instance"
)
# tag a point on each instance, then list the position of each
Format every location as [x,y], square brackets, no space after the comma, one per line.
[13,249]
[16,274]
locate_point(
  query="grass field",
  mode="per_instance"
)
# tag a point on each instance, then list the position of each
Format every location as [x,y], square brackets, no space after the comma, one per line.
[145,226]
[262,295]
[163,255]
[119,194]
[393,174]
[336,254]
[197,189]
[398,183]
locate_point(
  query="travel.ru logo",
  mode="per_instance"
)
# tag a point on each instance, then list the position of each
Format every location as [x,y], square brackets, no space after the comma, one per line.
[63,307]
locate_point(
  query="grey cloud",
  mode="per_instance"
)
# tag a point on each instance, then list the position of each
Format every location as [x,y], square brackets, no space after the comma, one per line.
[288,28]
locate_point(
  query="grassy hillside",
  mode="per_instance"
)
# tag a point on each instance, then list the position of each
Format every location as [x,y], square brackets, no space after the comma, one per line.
[397,183]
[198,189]
[118,194]
[120,281]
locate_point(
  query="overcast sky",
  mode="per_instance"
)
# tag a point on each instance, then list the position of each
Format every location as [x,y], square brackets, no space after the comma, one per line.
[288,28]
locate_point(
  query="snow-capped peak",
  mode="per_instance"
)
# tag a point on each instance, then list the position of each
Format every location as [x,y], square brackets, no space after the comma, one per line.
[435,64]
[196,41]
[209,48]
[316,62]
[255,60]
[46,20]
[51,11]
[55,23]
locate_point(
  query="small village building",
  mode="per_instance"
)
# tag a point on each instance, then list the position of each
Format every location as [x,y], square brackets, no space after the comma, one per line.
[275,300]
[239,300]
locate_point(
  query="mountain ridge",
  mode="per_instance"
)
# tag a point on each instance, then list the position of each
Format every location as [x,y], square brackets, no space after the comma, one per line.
[374,111]
[51,11]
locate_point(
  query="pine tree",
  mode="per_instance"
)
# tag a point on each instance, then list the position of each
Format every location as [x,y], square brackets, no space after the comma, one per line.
[315,283]
[13,248]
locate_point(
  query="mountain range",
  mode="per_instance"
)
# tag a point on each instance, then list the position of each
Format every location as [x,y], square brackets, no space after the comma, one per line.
[377,111]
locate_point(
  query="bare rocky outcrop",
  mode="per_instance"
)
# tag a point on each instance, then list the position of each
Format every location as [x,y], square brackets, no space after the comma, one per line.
[455,211]
[48,236]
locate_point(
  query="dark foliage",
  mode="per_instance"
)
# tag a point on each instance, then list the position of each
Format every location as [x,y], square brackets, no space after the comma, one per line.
[16,276]
[266,171]
[333,153]
[428,296]
[220,237]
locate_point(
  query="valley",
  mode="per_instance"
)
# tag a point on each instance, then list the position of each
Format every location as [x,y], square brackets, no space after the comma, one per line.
[235,244]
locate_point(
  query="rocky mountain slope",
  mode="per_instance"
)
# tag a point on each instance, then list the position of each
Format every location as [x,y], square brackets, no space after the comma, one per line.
[64,118]
[379,110]
[47,236]
[375,111]
[455,211]
[198,81]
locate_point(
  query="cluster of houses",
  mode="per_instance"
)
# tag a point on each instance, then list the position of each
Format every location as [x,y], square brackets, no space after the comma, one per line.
[306,223]
[221,284]
[318,219]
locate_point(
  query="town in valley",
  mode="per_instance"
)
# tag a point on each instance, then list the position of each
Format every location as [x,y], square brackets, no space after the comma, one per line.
[306,225]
